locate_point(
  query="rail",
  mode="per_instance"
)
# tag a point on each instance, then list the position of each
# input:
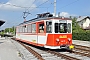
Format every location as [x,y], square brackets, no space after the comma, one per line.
[39,56]
[81,50]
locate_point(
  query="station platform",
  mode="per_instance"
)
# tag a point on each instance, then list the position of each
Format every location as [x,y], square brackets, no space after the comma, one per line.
[8,51]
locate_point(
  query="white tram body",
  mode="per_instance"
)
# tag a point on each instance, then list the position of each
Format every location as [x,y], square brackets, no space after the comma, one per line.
[46,31]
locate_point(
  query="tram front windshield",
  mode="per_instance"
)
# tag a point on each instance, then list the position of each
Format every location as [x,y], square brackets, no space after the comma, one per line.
[62,27]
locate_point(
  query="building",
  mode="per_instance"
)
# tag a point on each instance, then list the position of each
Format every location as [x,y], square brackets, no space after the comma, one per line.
[84,22]
[1,22]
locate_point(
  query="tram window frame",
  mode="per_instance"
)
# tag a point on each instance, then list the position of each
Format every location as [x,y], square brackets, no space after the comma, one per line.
[56,28]
[48,26]
[64,29]
[69,28]
[33,28]
[25,27]
[19,29]
[41,28]
[29,28]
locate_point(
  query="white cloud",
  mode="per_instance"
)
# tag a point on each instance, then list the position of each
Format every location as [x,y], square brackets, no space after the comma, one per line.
[65,14]
[23,3]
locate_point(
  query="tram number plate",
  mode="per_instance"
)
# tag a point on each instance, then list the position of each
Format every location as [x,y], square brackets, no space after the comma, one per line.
[63,36]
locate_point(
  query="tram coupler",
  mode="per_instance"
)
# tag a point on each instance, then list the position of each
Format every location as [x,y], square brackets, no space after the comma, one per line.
[70,48]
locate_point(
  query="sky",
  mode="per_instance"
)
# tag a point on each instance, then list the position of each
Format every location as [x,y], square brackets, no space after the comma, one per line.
[11,11]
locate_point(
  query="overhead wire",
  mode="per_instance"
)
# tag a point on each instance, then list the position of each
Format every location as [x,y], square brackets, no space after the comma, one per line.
[40,5]
[51,3]
[28,7]
[24,16]
[14,5]
[21,6]
[69,4]
[32,4]
[37,6]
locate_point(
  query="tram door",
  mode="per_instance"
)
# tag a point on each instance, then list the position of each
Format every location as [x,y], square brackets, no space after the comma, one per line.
[41,32]
[41,27]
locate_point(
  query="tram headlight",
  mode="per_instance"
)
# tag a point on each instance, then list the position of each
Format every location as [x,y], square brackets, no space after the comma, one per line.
[69,39]
[57,40]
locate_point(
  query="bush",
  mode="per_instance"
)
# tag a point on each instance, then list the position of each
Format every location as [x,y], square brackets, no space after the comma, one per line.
[81,36]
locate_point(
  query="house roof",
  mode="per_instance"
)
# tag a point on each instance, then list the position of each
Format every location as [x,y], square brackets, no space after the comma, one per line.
[81,18]
[1,22]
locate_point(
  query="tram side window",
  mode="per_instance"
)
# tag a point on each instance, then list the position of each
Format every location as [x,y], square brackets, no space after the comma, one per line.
[25,27]
[34,28]
[23,30]
[69,28]
[29,28]
[20,29]
[41,28]
[49,27]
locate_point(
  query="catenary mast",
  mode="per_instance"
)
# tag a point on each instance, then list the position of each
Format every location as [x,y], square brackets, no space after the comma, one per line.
[55,7]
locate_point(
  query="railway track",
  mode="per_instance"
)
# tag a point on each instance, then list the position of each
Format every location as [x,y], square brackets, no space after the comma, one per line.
[63,55]
[81,50]
[83,47]
[36,54]
[40,56]
[46,54]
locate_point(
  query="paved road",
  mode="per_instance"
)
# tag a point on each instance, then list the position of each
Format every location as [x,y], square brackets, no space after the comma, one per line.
[8,51]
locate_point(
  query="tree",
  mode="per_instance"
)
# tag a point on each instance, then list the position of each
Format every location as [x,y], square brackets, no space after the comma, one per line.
[10,30]
[75,27]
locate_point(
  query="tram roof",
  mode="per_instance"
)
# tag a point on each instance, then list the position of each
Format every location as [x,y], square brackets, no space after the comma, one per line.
[46,18]
[2,22]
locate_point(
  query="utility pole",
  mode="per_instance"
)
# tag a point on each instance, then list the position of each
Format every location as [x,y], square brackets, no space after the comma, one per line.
[55,8]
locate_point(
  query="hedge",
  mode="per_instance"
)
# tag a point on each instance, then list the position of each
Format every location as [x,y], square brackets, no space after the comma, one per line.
[81,36]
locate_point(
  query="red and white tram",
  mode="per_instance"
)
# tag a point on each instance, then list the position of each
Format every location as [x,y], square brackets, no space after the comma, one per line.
[46,31]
